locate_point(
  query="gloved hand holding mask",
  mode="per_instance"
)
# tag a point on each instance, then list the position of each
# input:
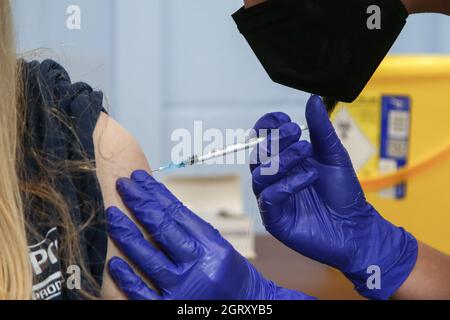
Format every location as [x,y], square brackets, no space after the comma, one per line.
[315,205]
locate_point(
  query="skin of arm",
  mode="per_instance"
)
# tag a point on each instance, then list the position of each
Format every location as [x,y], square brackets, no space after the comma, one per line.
[430,278]
[413,6]
[117,155]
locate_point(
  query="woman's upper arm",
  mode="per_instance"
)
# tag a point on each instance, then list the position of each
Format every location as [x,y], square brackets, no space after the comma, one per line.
[117,155]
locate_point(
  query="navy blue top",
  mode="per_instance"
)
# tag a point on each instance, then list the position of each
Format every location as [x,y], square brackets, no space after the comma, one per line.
[60,120]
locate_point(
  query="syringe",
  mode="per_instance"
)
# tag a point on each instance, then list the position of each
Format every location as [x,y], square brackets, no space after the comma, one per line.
[216,153]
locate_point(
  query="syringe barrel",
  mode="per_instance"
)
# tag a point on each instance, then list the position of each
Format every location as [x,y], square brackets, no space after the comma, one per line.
[197,159]
[214,154]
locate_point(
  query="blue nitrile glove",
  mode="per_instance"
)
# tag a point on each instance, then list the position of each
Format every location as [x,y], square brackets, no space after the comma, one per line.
[194,262]
[316,206]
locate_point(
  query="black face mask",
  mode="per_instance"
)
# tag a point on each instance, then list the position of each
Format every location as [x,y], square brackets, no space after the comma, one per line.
[326,47]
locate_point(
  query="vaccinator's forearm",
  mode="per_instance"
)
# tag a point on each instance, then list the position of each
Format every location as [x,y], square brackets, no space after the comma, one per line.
[251,3]
[430,278]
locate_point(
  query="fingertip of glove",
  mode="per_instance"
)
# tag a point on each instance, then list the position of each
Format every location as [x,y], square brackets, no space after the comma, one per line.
[112,213]
[290,129]
[315,109]
[281,117]
[141,176]
[122,184]
[119,224]
[115,263]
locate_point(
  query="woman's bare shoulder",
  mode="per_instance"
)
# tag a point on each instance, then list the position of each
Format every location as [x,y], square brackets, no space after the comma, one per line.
[117,155]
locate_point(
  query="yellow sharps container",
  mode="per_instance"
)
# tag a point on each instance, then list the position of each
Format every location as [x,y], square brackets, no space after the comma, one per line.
[398,135]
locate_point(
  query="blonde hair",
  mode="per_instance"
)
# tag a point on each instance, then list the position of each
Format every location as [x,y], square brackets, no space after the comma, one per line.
[21,193]
[15,268]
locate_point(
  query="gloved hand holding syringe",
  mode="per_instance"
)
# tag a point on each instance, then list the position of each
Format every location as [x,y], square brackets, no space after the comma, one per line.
[216,153]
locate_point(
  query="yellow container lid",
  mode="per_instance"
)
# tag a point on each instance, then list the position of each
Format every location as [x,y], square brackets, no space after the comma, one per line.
[413,67]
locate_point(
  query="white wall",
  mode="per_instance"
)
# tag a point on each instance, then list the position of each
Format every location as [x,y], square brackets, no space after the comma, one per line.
[165,63]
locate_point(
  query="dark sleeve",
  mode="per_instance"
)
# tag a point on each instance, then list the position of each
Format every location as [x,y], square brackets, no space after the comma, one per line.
[78,101]
[64,116]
